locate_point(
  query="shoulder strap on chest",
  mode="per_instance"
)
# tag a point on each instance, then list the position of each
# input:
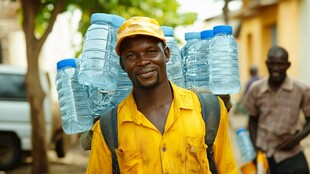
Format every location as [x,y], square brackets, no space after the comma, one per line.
[211,115]
[108,126]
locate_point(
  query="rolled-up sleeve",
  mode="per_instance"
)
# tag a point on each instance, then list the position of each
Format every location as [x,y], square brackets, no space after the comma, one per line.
[100,160]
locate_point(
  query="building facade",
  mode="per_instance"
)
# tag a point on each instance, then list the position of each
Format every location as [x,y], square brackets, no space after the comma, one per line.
[266,23]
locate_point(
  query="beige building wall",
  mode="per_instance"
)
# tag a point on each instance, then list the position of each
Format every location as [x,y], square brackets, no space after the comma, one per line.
[304,24]
[265,26]
[288,32]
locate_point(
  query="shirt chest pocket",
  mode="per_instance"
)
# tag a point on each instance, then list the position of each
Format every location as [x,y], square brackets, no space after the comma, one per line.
[195,155]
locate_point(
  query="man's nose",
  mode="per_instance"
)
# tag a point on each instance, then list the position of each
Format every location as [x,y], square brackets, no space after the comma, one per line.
[143,59]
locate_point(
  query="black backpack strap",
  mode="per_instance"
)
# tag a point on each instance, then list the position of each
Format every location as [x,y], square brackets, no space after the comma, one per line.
[211,115]
[108,126]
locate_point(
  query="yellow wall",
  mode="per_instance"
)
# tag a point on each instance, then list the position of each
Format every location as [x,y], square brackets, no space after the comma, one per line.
[288,23]
[255,37]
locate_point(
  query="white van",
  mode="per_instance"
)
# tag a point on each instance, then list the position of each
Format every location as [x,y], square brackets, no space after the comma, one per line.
[15,124]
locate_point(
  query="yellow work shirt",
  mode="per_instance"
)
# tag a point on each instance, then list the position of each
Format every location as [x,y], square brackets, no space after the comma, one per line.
[180,150]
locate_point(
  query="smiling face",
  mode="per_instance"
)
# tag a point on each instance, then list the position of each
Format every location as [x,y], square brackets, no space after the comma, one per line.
[277,64]
[144,59]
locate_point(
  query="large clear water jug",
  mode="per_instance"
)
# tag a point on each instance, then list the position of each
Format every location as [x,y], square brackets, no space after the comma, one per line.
[223,62]
[72,98]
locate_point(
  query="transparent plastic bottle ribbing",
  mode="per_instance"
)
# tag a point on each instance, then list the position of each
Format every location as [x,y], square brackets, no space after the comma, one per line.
[72,98]
[101,100]
[174,65]
[245,145]
[224,68]
[192,38]
[197,66]
[99,68]
[124,84]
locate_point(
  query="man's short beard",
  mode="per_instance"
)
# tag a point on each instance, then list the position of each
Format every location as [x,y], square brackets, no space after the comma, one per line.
[150,86]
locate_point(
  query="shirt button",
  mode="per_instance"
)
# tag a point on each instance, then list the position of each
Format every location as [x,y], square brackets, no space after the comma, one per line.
[164,149]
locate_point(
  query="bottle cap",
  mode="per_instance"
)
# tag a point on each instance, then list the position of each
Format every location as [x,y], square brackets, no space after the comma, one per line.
[222,29]
[103,17]
[241,130]
[192,35]
[206,34]
[168,31]
[66,63]
[117,21]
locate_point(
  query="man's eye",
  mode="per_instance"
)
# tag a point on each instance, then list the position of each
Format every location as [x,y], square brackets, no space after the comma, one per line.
[151,52]
[130,56]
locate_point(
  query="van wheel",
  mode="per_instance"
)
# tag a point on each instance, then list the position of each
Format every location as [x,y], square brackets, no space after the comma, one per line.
[10,152]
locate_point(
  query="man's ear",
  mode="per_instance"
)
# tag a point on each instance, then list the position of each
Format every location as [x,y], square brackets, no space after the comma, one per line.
[288,65]
[167,53]
[122,63]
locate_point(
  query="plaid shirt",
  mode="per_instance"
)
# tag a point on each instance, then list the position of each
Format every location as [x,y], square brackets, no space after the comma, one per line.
[278,113]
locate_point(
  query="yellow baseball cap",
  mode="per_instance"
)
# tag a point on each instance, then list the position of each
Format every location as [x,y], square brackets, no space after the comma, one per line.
[139,25]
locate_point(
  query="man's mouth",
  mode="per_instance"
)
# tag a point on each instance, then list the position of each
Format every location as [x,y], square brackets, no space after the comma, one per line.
[275,74]
[146,73]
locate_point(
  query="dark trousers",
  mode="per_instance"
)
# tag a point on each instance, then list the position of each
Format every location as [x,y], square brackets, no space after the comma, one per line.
[294,165]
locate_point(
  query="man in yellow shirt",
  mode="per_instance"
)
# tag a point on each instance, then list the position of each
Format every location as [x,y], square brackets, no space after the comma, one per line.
[160,126]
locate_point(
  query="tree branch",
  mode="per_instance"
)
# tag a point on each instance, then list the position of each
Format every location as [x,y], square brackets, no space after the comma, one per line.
[28,20]
[59,8]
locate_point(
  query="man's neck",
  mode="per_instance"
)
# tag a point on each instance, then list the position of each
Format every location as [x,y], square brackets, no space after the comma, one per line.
[275,85]
[154,97]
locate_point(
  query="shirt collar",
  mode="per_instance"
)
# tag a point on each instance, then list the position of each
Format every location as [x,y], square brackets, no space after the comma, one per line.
[129,111]
[287,85]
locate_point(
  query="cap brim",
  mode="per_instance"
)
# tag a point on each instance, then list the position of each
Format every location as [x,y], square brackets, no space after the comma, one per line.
[117,47]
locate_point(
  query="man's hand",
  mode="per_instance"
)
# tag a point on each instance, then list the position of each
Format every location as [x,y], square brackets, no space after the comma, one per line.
[289,142]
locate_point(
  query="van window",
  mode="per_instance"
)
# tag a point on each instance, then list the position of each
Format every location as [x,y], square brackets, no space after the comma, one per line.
[12,87]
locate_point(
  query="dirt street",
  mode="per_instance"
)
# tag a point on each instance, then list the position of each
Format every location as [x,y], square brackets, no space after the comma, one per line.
[76,159]
[74,162]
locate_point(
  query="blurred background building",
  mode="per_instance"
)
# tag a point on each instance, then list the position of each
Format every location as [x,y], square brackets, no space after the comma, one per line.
[261,24]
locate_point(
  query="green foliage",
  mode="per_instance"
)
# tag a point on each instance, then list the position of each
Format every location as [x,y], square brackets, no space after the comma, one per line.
[165,11]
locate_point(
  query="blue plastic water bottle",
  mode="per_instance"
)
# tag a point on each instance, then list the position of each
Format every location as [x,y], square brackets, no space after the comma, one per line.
[72,98]
[174,65]
[99,68]
[245,145]
[100,99]
[192,38]
[223,62]
[124,84]
[197,73]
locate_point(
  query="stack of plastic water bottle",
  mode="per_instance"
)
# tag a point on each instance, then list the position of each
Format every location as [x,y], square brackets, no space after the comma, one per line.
[100,63]
[89,86]
[174,65]
[92,85]
[124,84]
[191,38]
[197,69]
[72,98]
[223,62]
